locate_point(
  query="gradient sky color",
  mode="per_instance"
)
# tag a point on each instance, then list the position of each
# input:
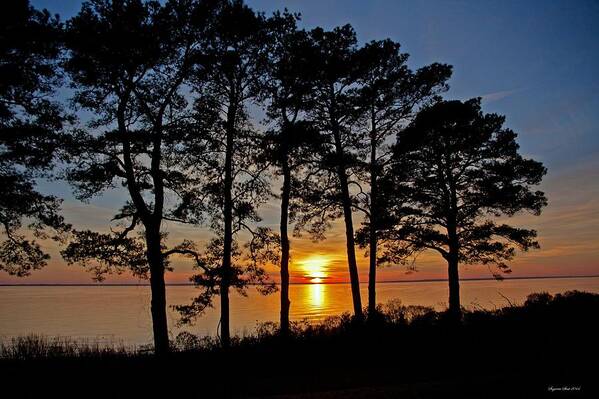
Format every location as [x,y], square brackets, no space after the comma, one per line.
[534,61]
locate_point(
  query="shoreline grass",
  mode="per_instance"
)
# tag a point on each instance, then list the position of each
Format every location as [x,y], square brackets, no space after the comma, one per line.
[391,318]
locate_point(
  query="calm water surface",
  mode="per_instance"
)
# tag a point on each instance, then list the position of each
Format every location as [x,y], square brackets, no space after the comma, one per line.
[122,314]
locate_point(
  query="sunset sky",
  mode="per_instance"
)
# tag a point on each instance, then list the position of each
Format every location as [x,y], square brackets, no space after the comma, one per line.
[535,62]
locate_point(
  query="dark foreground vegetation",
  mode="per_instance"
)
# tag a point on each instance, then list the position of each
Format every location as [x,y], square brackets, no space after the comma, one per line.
[530,350]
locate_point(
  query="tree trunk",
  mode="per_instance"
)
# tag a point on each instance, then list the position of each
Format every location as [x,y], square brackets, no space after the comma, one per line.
[349,229]
[351,249]
[152,227]
[158,291]
[285,193]
[454,286]
[372,273]
[452,269]
[373,223]
[225,334]
[455,309]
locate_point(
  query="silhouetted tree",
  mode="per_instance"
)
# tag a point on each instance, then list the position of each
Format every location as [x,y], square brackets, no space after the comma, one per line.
[247,263]
[290,144]
[29,127]
[129,62]
[387,95]
[332,111]
[455,169]
[234,175]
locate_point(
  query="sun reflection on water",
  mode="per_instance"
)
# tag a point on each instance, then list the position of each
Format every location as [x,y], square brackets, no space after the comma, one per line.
[317,295]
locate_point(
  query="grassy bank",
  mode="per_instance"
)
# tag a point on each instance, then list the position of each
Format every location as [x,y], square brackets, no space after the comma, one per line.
[404,351]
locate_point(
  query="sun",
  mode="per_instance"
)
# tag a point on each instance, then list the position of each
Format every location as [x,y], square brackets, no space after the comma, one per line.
[315,268]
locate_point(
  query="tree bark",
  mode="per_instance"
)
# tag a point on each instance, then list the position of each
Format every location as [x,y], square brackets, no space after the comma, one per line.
[152,227]
[373,223]
[285,194]
[454,286]
[225,334]
[351,249]
[455,309]
[372,272]
[158,291]
[349,227]
[452,269]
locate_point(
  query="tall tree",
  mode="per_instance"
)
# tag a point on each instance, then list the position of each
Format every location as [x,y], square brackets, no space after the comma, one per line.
[129,61]
[29,127]
[235,178]
[332,111]
[455,170]
[290,143]
[388,94]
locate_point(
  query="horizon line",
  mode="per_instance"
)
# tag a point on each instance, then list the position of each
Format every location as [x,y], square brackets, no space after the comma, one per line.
[306,283]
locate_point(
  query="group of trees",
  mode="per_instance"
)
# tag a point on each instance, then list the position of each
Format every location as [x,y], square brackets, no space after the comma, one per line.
[168,92]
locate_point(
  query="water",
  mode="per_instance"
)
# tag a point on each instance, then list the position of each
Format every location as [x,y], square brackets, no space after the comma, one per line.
[121,314]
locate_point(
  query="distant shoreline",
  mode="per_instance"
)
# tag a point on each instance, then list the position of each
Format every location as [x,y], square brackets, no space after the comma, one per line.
[325,283]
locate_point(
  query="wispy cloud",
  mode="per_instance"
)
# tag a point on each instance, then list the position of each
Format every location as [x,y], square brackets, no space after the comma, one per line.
[499,95]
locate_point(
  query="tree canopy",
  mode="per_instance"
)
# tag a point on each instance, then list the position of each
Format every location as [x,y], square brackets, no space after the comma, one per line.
[30,123]
[455,171]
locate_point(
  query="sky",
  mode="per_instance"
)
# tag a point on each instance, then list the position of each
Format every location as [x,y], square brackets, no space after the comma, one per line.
[535,62]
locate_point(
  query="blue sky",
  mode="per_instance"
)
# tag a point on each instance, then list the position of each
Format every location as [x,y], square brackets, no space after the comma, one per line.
[534,61]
